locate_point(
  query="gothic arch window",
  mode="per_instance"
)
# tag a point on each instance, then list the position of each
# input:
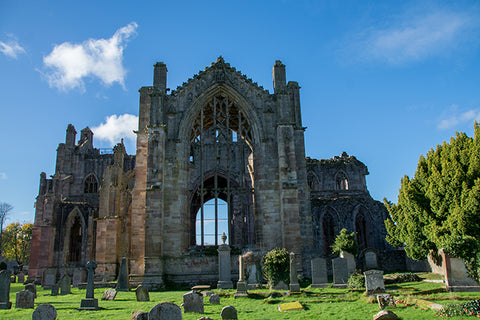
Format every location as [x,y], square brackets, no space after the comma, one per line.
[361,228]
[221,161]
[329,226]
[90,184]
[341,181]
[312,181]
[74,237]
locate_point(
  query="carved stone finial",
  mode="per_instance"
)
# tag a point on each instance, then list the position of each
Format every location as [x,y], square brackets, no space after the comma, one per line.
[220,59]
[224,237]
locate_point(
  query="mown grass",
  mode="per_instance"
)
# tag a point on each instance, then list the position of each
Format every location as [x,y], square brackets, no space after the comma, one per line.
[327,303]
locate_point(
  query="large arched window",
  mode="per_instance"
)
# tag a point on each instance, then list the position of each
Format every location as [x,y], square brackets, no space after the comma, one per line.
[361,229]
[75,241]
[221,164]
[90,184]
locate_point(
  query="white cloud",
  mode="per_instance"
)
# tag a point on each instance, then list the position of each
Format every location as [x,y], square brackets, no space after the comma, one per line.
[117,127]
[3,176]
[413,37]
[69,63]
[454,117]
[11,48]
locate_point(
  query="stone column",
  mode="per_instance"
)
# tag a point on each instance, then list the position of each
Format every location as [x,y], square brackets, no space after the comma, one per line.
[224,266]
[294,285]
[241,284]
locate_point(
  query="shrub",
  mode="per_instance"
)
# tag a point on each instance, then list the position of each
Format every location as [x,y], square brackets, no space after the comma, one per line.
[345,242]
[406,277]
[276,266]
[356,280]
[470,308]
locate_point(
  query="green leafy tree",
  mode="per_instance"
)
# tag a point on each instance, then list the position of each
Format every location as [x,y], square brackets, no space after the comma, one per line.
[440,206]
[345,241]
[276,266]
[16,242]
[5,209]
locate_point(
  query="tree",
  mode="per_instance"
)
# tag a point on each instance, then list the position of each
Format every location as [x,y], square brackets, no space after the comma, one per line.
[440,206]
[5,209]
[16,244]
[346,242]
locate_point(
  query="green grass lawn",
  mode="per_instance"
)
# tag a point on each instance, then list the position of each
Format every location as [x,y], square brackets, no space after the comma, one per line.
[327,303]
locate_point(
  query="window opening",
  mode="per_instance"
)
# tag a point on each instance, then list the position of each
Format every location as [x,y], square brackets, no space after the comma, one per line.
[91,185]
[209,222]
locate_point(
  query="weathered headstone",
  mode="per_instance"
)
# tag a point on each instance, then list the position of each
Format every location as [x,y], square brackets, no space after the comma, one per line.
[229,312]
[294,285]
[456,274]
[374,281]
[44,312]
[370,260]
[54,291]
[122,282]
[280,286]
[90,303]
[50,278]
[385,315]
[165,311]
[21,277]
[350,259]
[319,273]
[385,300]
[241,284]
[5,290]
[340,273]
[142,293]
[192,302]
[32,288]
[214,299]
[139,315]
[24,299]
[65,285]
[252,276]
[109,294]
[77,277]
[224,266]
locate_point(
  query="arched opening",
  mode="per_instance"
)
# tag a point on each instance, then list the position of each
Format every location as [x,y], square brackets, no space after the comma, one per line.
[221,162]
[361,229]
[341,181]
[75,241]
[312,181]
[328,228]
[90,185]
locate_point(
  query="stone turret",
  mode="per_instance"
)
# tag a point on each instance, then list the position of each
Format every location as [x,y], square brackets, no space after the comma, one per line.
[160,76]
[70,138]
[279,76]
[86,138]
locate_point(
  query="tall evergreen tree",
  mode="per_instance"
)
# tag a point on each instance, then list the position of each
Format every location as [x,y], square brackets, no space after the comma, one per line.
[440,206]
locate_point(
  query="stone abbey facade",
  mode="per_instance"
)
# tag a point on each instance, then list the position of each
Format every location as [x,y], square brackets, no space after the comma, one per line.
[218,154]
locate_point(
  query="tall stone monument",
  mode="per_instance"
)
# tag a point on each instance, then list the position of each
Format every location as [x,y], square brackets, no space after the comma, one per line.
[122,282]
[5,289]
[294,285]
[90,303]
[241,284]
[224,266]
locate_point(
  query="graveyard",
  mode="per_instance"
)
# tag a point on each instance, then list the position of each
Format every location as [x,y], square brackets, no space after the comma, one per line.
[413,300]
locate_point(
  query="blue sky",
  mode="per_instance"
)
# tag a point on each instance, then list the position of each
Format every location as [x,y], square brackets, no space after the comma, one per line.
[382,80]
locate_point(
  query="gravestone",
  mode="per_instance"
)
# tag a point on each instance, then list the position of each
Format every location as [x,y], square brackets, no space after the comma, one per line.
[44,312]
[109,294]
[294,285]
[280,286]
[241,284]
[122,282]
[5,290]
[385,300]
[224,266]
[50,278]
[64,285]
[139,315]
[350,259]
[340,273]
[54,291]
[192,302]
[32,288]
[456,274]
[319,273]
[165,311]
[21,277]
[24,300]
[374,281]
[370,260]
[229,312]
[385,315]
[78,277]
[90,303]
[142,293]
[214,299]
